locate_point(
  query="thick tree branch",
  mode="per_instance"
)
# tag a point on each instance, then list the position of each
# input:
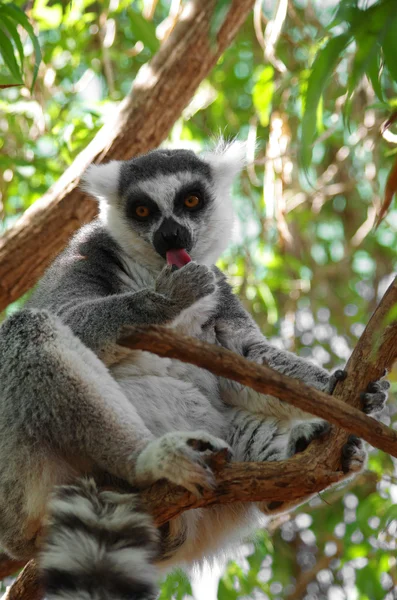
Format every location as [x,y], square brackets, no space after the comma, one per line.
[28,585]
[161,90]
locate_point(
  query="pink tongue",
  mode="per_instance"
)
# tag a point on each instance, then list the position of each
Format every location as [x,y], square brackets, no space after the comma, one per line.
[179,258]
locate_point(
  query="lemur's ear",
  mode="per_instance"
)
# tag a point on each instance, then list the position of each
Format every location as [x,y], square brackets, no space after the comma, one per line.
[227,160]
[102,181]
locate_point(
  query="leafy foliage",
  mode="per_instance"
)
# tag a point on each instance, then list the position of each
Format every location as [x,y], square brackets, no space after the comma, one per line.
[305,258]
[372,33]
[11,16]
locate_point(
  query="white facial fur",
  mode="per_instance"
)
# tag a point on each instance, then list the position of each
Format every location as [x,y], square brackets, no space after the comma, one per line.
[211,233]
[101,181]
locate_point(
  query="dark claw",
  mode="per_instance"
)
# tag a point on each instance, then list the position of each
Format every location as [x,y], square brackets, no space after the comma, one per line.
[200,445]
[373,387]
[353,447]
[338,375]
[374,398]
[274,505]
[301,445]
[302,442]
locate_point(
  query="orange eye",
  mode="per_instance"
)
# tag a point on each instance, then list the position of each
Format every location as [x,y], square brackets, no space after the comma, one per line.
[142,212]
[192,201]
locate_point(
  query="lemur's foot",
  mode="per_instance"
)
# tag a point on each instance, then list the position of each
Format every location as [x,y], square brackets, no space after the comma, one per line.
[353,455]
[181,457]
[375,396]
[373,400]
[301,435]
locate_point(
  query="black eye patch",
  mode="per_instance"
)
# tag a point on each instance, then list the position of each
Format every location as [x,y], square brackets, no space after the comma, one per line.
[194,190]
[141,208]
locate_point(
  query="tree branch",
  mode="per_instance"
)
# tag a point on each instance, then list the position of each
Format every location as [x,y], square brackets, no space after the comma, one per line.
[28,585]
[9,567]
[165,342]
[289,482]
[375,352]
[307,577]
[161,90]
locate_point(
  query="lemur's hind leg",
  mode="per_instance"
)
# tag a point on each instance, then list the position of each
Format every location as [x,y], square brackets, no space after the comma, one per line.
[56,392]
[61,414]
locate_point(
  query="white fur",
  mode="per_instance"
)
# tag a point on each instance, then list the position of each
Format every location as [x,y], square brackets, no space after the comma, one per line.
[191,320]
[227,161]
[77,505]
[102,181]
[135,247]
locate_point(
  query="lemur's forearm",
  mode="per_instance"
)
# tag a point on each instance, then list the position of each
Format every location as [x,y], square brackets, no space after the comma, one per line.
[97,322]
[237,331]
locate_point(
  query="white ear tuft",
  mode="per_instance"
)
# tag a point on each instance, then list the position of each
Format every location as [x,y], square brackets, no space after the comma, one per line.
[102,181]
[227,160]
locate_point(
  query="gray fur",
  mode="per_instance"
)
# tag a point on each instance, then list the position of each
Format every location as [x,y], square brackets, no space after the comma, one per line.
[63,414]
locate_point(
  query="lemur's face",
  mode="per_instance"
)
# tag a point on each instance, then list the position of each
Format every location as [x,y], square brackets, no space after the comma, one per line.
[169,205]
[168,200]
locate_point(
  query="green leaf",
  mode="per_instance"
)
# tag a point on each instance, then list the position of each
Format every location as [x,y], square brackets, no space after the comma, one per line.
[12,31]
[15,13]
[262,94]
[321,72]
[369,28]
[367,47]
[389,48]
[269,301]
[373,74]
[144,31]
[7,81]
[7,53]
[346,13]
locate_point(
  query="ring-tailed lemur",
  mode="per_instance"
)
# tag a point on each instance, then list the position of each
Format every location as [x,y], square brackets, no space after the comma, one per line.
[65,414]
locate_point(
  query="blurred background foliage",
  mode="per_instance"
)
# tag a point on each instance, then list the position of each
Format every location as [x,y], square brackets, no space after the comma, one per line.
[305,259]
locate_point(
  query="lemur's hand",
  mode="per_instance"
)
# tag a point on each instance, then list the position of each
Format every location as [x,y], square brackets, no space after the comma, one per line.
[374,398]
[187,285]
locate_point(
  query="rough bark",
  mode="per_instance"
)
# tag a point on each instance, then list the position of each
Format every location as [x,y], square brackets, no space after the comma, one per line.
[289,482]
[28,585]
[8,567]
[161,90]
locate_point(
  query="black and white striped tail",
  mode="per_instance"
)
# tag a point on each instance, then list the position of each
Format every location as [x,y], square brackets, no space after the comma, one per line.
[100,546]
